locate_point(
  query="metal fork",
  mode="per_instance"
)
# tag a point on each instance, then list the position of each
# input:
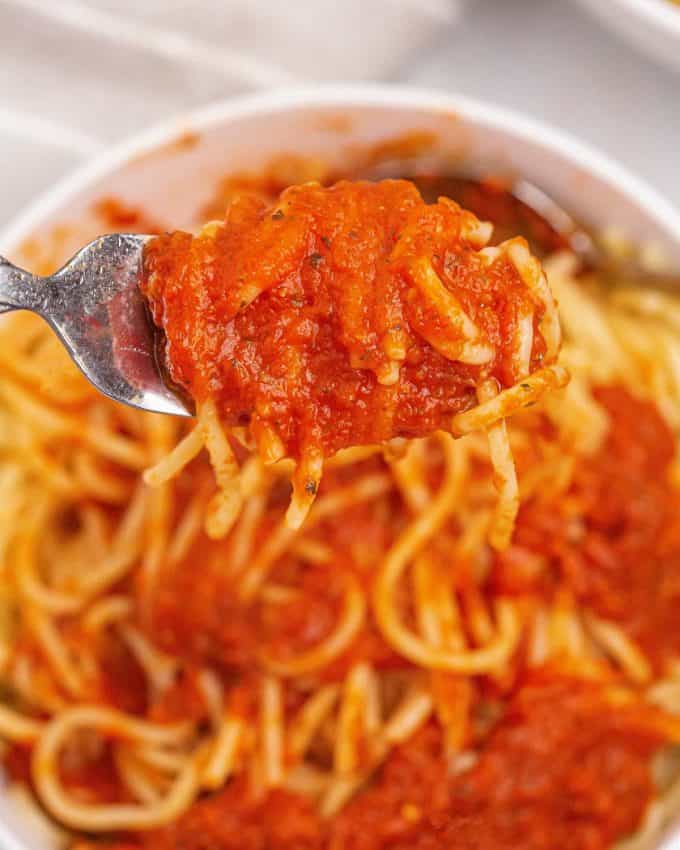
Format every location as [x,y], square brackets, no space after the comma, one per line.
[96,307]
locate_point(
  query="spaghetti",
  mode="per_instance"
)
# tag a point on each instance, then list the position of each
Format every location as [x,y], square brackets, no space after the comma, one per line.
[344,316]
[380,678]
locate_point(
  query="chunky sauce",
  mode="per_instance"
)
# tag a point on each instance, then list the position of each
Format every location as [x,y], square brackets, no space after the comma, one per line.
[306,320]
[614,539]
[560,769]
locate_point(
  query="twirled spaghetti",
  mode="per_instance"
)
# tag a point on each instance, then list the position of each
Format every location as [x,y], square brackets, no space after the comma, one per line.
[347,316]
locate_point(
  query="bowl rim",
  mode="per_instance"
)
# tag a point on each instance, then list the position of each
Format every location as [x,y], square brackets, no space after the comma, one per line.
[232,109]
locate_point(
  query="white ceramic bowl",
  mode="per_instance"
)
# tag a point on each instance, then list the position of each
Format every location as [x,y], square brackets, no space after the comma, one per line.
[653,26]
[172,182]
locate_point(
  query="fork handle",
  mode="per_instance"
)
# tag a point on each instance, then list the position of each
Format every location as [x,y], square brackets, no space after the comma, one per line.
[19,290]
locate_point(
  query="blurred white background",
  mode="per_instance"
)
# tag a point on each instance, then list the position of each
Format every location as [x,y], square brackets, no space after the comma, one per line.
[77,75]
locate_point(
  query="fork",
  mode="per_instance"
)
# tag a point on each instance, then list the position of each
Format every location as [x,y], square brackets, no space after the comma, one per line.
[95,306]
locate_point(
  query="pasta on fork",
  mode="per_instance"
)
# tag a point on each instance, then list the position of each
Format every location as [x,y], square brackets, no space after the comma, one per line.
[344,317]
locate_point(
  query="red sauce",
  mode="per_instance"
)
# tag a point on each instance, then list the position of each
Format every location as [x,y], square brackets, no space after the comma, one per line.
[333,269]
[559,770]
[94,779]
[615,540]
[198,616]
[120,216]
[89,778]
[121,682]
[232,820]
[290,628]
[17,762]
[183,700]
[492,199]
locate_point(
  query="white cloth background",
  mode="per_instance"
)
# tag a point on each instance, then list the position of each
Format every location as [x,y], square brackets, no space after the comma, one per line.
[76,75]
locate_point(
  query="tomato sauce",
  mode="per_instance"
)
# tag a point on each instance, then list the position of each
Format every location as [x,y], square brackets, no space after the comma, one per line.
[232,820]
[182,700]
[493,199]
[559,770]
[121,681]
[614,541]
[293,316]
[122,217]
[198,616]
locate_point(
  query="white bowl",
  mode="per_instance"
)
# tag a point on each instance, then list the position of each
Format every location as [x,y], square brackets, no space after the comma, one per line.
[653,26]
[172,181]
